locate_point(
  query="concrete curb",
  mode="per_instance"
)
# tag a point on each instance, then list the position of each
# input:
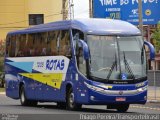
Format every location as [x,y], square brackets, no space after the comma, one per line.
[153,101]
[2,93]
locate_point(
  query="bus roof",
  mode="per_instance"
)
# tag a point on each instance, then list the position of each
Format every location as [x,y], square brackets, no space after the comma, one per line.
[89,26]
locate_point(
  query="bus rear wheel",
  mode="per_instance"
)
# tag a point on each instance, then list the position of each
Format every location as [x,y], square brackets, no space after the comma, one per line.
[23,99]
[71,104]
[122,107]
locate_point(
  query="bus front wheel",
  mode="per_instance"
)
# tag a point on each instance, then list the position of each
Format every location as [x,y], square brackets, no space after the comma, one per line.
[122,107]
[71,104]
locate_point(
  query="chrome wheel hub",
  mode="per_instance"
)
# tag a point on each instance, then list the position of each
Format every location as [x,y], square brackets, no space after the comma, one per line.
[71,100]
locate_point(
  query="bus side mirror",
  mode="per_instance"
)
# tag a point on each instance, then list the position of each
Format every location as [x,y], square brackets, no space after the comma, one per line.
[85,49]
[151,48]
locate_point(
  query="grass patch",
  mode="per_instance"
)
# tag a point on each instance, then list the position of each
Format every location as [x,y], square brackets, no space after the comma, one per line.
[2,89]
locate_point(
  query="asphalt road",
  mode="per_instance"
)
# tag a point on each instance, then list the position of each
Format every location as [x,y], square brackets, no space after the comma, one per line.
[10,106]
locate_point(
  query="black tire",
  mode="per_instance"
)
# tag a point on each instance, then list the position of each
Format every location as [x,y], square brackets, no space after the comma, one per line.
[71,104]
[23,100]
[122,108]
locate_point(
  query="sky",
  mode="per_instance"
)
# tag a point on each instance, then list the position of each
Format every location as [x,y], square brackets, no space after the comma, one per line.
[81,8]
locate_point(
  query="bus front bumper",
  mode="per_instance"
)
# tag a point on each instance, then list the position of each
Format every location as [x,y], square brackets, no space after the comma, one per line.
[99,96]
[100,99]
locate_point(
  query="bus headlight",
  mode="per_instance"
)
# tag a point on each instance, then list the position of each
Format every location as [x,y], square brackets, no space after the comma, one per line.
[142,89]
[140,84]
[94,87]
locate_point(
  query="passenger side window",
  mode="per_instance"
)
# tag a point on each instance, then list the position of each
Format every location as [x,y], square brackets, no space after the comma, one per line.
[20,42]
[11,46]
[52,42]
[49,43]
[44,51]
[65,44]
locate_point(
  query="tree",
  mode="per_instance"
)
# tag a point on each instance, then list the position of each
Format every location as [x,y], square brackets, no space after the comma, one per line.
[156,37]
[2,50]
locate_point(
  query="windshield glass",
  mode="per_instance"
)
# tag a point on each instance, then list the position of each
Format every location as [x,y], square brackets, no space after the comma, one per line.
[117,58]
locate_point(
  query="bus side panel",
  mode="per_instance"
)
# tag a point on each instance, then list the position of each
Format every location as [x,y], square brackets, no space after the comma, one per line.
[12,82]
[44,92]
[77,82]
[69,79]
[82,95]
[59,95]
[55,94]
[49,93]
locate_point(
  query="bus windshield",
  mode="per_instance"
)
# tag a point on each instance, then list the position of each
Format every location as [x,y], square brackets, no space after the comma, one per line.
[117,57]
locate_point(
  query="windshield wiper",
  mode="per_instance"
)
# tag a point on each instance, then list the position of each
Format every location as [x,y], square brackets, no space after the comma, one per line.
[127,66]
[112,68]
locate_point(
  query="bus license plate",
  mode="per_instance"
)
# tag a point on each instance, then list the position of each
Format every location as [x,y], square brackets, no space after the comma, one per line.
[120,99]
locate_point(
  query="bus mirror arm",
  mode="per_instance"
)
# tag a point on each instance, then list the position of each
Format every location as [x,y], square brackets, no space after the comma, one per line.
[85,49]
[151,48]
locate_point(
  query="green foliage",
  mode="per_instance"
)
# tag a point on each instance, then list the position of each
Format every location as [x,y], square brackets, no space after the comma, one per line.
[1,64]
[156,37]
[2,51]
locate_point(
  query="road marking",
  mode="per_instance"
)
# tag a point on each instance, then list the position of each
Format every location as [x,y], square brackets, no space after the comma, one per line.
[134,106]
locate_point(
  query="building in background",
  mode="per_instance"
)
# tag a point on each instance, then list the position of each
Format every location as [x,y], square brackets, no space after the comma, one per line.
[20,14]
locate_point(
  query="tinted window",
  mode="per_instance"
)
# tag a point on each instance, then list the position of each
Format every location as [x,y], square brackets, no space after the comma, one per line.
[50,43]
[64,43]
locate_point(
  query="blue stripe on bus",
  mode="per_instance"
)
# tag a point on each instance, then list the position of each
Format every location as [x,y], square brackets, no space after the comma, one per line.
[25,66]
